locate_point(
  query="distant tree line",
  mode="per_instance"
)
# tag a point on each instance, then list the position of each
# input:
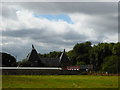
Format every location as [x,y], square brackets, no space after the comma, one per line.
[103,56]
[54,54]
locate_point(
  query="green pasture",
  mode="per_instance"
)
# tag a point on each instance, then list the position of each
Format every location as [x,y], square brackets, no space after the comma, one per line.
[59,81]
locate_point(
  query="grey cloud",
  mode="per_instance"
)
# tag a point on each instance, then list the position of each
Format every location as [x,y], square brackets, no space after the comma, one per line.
[73,35]
[52,39]
[71,7]
[8,12]
[45,37]
[104,24]
[92,8]
[21,33]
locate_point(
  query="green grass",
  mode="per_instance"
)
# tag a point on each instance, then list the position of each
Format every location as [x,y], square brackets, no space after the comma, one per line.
[59,81]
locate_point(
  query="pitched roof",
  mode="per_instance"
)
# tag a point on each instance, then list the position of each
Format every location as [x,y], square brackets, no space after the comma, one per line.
[33,56]
[64,60]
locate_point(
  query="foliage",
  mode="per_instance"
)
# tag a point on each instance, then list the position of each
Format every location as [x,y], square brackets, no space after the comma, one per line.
[111,64]
[116,49]
[80,63]
[24,63]
[54,54]
[8,60]
[82,48]
[72,56]
[99,52]
[95,55]
[80,53]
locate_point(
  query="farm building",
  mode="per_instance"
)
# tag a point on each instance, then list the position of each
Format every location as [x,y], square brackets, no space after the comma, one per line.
[35,60]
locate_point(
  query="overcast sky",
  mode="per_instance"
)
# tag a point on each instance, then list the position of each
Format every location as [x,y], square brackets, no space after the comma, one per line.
[55,26]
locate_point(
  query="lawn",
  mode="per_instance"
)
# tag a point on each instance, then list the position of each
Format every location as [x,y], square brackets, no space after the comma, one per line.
[59,81]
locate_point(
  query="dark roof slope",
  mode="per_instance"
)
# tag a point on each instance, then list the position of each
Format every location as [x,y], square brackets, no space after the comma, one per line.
[64,60]
[34,58]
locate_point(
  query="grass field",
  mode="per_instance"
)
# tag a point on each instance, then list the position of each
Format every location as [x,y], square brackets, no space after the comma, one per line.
[59,81]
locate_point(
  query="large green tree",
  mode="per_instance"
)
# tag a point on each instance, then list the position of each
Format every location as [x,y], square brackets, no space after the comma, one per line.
[72,56]
[98,53]
[80,53]
[111,64]
[116,49]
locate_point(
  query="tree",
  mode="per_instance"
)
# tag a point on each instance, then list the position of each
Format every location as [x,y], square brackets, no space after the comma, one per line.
[79,48]
[24,63]
[98,53]
[82,52]
[72,56]
[8,60]
[82,48]
[116,49]
[80,63]
[111,64]
[54,54]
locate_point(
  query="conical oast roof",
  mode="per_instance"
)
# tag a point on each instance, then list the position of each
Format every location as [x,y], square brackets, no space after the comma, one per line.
[64,60]
[34,58]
